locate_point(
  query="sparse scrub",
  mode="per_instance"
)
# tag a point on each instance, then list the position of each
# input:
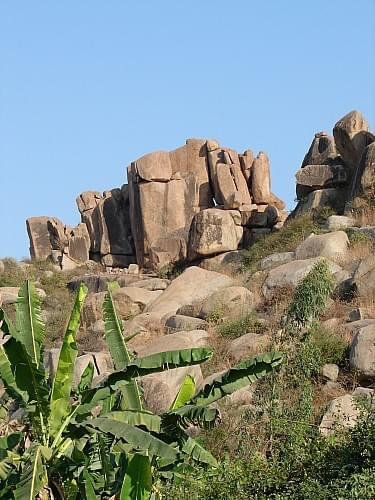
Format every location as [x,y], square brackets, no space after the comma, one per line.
[285,240]
[237,327]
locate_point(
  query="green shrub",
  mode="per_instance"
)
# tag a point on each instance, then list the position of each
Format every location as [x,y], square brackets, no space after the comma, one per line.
[311,295]
[357,237]
[239,326]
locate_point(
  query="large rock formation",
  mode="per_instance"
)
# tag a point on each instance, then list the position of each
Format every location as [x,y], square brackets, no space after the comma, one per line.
[197,201]
[338,170]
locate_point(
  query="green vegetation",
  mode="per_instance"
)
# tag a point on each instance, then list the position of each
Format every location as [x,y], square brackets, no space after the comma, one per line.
[285,240]
[274,449]
[96,441]
[310,296]
[239,326]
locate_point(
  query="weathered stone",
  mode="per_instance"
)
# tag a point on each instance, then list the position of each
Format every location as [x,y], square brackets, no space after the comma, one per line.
[122,261]
[291,273]
[79,244]
[358,313]
[160,389]
[351,137]
[2,266]
[232,186]
[355,326]
[277,202]
[139,296]
[227,259]
[133,269]
[364,276]
[247,346]
[342,412]
[40,244]
[313,177]
[178,322]
[154,167]
[330,197]
[213,231]
[276,259]
[152,284]
[193,286]
[246,161]
[364,181]
[66,263]
[232,301]
[58,234]
[322,151]
[362,353]
[333,246]
[260,180]
[98,282]
[114,224]
[336,222]
[260,216]
[165,251]
[330,372]
[87,203]
[92,310]
[167,199]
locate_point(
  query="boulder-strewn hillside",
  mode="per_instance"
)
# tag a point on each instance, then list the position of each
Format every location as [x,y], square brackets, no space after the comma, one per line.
[204,256]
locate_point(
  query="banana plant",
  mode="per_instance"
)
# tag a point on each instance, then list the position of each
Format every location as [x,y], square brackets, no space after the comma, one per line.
[97,441]
[65,430]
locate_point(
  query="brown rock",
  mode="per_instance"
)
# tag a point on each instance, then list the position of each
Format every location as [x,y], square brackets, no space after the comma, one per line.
[260,180]
[40,244]
[313,177]
[322,151]
[87,203]
[213,231]
[165,251]
[352,136]
[364,182]
[114,223]
[246,161]
[154,167]
[330,197]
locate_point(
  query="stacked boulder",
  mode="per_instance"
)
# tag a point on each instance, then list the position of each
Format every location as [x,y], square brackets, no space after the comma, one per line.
[338,170]
[191,203]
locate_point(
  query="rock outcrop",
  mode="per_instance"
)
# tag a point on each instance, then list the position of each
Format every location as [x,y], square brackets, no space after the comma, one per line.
[194,202]
[338,170]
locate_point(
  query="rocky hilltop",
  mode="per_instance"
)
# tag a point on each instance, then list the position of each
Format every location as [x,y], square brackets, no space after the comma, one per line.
[191,203]
[203,200]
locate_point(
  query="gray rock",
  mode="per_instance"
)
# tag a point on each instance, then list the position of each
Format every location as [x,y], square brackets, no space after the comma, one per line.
[178,322]
[330,372]
[291,273]
[364,276]
[276,259]
[232,301]
[152,284]
[193,286]
[358,313]
[362,353]
[337,222]
[333,246]
[342,412]
[248,346]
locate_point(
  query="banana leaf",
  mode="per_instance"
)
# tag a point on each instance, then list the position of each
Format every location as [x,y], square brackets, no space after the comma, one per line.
[191,415]
[185,393]
[137,418]
[237,377]
[62,384]
[138,438]
[158,362]
[114,336]
[86,378]
[8,379]
[30,329]
[33,478]
[137,484]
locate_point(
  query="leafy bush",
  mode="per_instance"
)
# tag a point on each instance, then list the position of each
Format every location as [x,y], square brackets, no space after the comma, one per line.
[311,295]
[237,327]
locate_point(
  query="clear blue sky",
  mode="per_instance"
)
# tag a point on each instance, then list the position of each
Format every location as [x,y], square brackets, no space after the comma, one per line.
[86,86]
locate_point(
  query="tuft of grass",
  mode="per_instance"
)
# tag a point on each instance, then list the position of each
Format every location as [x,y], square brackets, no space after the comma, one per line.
[237,327]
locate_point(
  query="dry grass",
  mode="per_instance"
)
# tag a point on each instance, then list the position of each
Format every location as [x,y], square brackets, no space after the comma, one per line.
[364,216]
